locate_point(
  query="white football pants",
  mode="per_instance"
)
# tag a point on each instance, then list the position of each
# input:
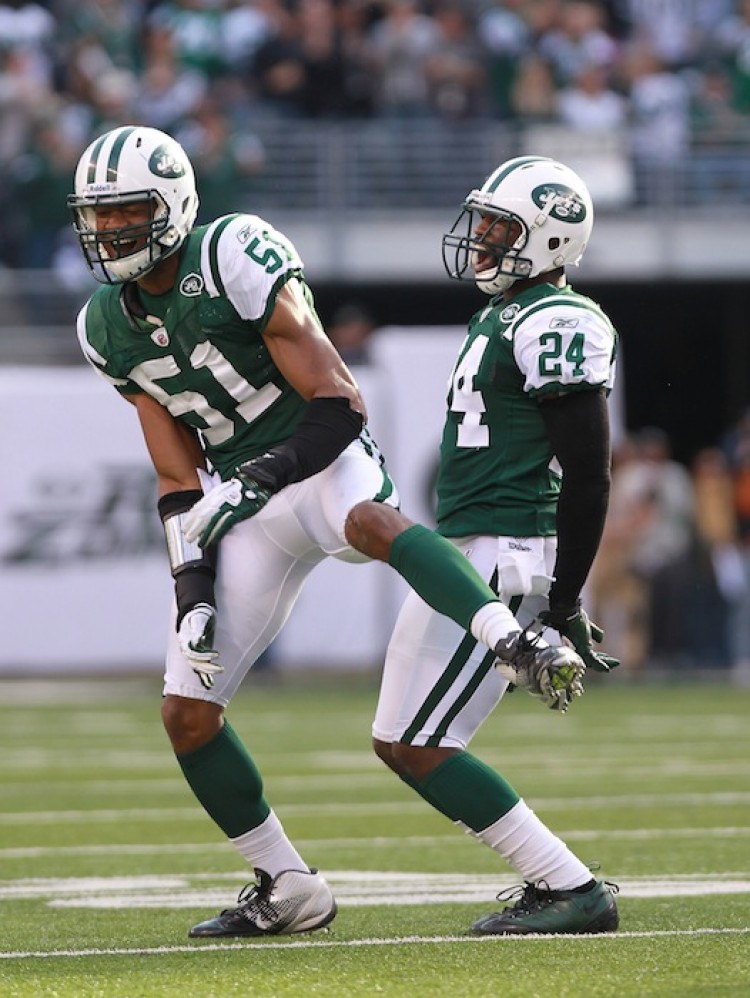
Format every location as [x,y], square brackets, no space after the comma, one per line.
[264,561]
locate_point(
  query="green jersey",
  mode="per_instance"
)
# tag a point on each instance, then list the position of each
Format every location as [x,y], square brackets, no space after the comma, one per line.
[498,475]
[199,350]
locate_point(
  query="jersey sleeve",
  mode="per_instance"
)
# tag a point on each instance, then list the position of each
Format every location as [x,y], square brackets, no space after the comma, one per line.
[253,262]
[91,328]
[564,347]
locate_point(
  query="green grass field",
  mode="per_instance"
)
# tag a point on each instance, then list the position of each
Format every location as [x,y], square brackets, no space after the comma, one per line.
[106,860]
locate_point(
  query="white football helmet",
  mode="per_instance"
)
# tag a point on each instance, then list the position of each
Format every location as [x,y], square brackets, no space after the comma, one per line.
[123,166]
[549,202]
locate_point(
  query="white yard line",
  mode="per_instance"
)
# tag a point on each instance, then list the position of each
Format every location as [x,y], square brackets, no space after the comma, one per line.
[353,889]
[358,943]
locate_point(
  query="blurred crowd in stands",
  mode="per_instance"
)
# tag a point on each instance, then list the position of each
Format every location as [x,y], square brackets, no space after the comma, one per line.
[213,71]
[671,582]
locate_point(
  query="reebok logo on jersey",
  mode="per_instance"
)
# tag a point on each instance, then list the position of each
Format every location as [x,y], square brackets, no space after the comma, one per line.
[191,285]
[560,323]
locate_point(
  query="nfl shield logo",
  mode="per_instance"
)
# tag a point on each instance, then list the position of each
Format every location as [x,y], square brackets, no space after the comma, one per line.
[160,337]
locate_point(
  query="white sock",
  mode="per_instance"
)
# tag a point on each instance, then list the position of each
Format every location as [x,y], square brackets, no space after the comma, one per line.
[267,848]
[493,622]
[534,851]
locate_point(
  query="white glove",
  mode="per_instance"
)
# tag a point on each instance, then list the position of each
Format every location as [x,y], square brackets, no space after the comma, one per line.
[229,503]
[196,638]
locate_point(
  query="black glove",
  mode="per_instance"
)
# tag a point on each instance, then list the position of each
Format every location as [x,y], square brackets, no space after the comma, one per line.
[573,623]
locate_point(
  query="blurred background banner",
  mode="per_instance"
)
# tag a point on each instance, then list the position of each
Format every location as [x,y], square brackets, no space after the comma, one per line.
[84,582]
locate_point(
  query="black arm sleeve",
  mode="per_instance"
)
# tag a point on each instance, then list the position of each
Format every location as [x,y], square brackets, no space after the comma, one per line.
[327,427]
[578,429]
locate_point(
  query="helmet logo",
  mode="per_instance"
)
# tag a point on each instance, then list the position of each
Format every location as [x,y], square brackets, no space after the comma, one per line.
[567,207]
[164,163]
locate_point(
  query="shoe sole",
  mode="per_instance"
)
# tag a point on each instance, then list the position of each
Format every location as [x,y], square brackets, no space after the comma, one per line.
[254,933]
[607,921]
[321,924]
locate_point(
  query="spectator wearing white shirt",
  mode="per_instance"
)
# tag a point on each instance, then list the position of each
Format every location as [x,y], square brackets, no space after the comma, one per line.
[590,104]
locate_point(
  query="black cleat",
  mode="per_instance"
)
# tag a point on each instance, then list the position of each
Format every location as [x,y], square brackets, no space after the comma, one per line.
[294,901]
[541,910]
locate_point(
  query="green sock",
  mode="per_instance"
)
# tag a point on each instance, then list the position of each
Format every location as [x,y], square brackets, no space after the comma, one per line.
[467,790]
[418,788]
[226,781]
[440,574]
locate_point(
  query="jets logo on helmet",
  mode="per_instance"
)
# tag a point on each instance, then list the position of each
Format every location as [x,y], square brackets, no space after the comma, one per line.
[541,214]
[566,205]
[126,166]
[165,164]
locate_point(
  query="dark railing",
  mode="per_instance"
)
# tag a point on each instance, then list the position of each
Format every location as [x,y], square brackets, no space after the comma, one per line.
[419,165]
[321,182]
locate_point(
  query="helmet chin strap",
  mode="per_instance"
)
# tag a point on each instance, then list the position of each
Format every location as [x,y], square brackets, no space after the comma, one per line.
[500,282]
[129,268]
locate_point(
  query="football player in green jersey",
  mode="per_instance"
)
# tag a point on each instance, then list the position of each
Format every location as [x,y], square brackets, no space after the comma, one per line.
[522,490]
[257,433]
